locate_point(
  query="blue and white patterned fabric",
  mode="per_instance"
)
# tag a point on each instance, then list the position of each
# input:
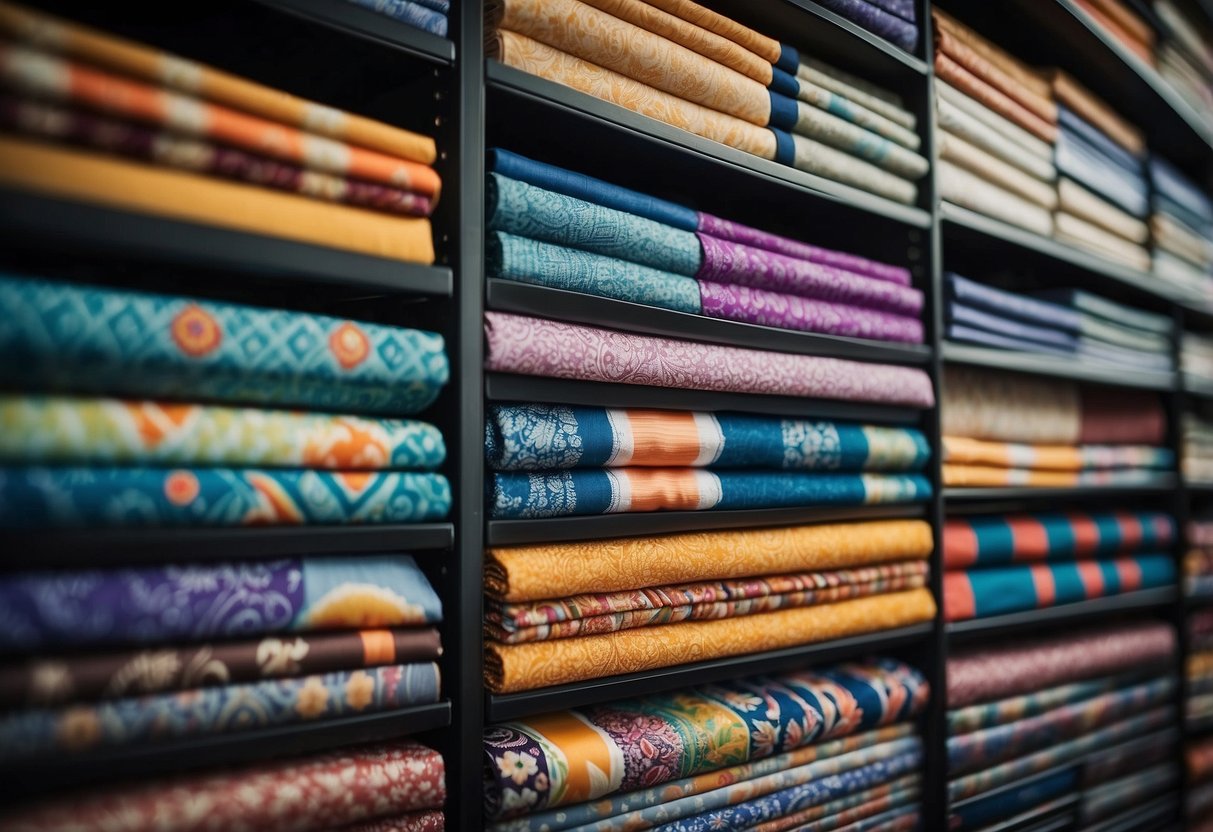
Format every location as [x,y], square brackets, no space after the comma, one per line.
[427,15]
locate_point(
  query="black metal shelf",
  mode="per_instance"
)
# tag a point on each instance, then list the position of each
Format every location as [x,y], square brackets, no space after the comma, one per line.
[47,223]
[214,750]
[1078,492]
[517,705]
[61,548]
[621,124]
[513,532]
[1056,367]
[1021,622]
[528,299]
[910,61]
[509,387]
[371,26]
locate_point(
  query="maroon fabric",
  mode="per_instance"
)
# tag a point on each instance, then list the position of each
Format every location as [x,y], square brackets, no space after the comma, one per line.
[1112,416]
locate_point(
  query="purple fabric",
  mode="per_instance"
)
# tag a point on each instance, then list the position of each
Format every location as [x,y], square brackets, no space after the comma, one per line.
[758,306]
[902,8]
[728,262]
[967,334]
[871,17]
[961,314]
[737,233]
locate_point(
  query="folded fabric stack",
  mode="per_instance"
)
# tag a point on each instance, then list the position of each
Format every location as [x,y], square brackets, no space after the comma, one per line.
[1197,447]
[1182,230]
[71,456]
[554,227]
[1198,560]
[1123,24]
[1199,669]
[396,787]
[695,69]
[894,20]
[1196,357]
[1102,192]
[1064,322]
[559,461]
[998,123]
[558,613]
[1199,758]
[188,651]
[94,118]
[1058,715]
[1010,563]
[1185,59]
[427,15]
[833,746]
[1003,429]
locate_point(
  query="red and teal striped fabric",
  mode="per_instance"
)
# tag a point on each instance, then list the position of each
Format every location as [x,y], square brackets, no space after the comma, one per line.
[1015,538]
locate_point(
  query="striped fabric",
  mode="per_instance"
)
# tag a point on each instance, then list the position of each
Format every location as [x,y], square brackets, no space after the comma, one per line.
[1005,539]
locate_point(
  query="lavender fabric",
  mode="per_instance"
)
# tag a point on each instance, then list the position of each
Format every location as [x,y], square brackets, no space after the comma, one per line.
[870,16]
[961,314]
[902,8]
[729,262]
[972,335]
[1003,303]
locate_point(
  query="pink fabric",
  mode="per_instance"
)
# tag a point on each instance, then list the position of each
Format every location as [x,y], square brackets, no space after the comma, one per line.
[539,347]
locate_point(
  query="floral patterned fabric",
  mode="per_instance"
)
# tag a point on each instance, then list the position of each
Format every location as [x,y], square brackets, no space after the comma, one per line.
[39,610]
[572,756]
[415,14]
[35,732]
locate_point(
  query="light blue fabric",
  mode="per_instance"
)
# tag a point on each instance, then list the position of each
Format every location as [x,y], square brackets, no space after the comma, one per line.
[411,12]
[1001,303]
[959,313]
[1100,141]
[1170,182]
[1077,159]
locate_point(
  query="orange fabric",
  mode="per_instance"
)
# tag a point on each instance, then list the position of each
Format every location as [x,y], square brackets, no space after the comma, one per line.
[579,742]
[1137,28]
[1046,589]
[1083,102]
[964,54]
[767,48]
[958,597]
[996,100]
[1118,32]
[982,476]
[961,449]
[1130,574]
[1092,578]
[653,489]
[1013,67]
[378,646]
[960,544]
[1029,536]
[1086,533]
[671,433]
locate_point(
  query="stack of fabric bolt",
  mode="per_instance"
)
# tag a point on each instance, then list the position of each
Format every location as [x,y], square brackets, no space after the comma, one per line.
[98,119]
[559,461]
[1102,192]
[1198,560]
[1004,429]
[427,15]
[1197,447]
[700,71]
[559,613]
[1199,759]
[1011,563]
[70,455]
[562,229]
[1057,322]
[1185,59]
[1182,230]
[894,20]
[1199,707]
[1196,357]
[397,787]
[998,123]
[834,746]
[1083,711]
[1123,24]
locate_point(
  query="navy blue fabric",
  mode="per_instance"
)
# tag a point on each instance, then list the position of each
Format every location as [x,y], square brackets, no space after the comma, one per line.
[789,59]
[784,111]
[784,83]
[785,148]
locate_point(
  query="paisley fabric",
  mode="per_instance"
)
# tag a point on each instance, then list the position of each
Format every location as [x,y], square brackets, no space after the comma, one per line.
[573,756]
[78,497]
[155,718]
[556,570]
[525,495]
[535,346]
[1000,539]
[99,431]
[873,17]
[537,437]
[415,14]
[40,610]
[117,342]
[304,794]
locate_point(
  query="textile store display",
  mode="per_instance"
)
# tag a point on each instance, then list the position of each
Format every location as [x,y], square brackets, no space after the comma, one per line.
[1124,24]
[1196,356]
[894,20]
[427,15]
[1198,559]
[1181,225]
[1197,446]
[1183,56]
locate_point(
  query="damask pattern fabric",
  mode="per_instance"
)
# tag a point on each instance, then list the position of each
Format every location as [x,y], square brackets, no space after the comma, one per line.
[120,342]
[555,570]
[573,756]
[307,794]
[1001,539]
[535,346]
[99,431]
[150,605]
[34,733]
[36,497]
[546,437]
[414,14]
[50,681]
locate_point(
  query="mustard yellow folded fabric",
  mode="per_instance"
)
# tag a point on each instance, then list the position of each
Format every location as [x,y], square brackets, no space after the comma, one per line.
[557,570]
[510,668]
[106,180]
[766,48]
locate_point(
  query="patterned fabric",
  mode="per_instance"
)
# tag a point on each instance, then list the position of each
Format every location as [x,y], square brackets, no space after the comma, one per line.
[872,16]
[67,430]
[296,795]
[78,497]
[431,821]
[219,710]
[572,756]
[40,610]
[1001,539]
[983,674]
[48,681]
[593,614]
[535,346]
[1013,803]
[59,336]
[835,814]
[510,668]
[1004,711]
[556,570]
[523,495]
[413,13]
[536,437]
[963,450]
[980,593]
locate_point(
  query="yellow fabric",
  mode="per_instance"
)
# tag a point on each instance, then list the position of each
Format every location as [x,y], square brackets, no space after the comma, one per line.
[148,64]
[962,449]
[989,476]
[558,570]
[510,668]
[86,177]
[766,48]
